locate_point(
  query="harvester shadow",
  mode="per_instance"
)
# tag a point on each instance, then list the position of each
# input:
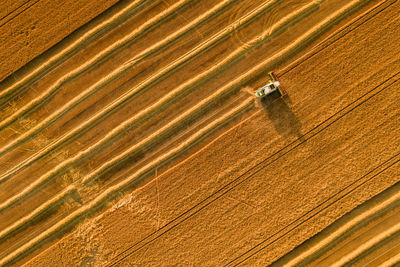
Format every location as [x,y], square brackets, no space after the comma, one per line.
[281,116]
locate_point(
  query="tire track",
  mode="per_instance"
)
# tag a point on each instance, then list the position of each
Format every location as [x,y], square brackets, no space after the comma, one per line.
[160,105]
[112,190]
[97,30]
[38,212]
[376,241]
[87,66]
[114,75]
[80,213]
[105,195]
[12,11]
[19,13]
[307,37]
[165,101]
[236,17]
[346,228]
[337,196]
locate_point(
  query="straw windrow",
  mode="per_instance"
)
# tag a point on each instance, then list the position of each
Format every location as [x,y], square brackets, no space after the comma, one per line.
[160,105]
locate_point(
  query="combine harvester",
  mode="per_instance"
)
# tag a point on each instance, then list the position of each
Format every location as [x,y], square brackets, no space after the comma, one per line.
[272,86]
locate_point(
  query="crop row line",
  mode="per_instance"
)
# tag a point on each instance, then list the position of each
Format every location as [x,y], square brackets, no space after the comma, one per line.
[302,41]
[97,30]
[21,223]
[80,213]
[161,104]
[68,137]
[84,68]
[108,110]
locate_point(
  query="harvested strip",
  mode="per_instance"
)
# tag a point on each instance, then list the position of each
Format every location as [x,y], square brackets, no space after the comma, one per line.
[395,229]
[107,194]
[389,257]
[71,49]
[60,198]
[79,214]
[182,134]
[101,115]
[35,103]
[387,204]
[167,100]
[391,262]
[172,126]
[156,48]
[107,79]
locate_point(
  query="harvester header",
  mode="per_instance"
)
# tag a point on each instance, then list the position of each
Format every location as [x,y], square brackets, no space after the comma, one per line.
[272,86]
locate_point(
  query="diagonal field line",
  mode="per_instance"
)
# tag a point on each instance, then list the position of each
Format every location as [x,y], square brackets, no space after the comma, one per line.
[336,194]
[394,261]
[68,137]
[297,63]
[324,25]
[354,223]
[83,38]
[122,100]
[248,174]
[160,160]
[332,39]
[389,250]
[80,213]
[379,239]
[82,69]
[24,221]
[14,10]
[16,15]
[194,207]
[393,160]
[161,104]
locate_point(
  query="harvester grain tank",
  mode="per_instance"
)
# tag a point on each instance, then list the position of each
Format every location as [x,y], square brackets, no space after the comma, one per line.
[272,86]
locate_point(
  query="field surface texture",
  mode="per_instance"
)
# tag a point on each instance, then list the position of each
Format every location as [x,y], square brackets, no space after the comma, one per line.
[130,134]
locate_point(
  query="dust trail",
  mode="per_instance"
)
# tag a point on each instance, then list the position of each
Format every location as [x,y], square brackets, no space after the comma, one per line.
[160,105]
[79,214]
[124,98]
[90,64]
[71,49]
[250,91]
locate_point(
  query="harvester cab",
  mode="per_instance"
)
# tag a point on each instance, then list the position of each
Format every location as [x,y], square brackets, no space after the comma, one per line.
[272,86]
